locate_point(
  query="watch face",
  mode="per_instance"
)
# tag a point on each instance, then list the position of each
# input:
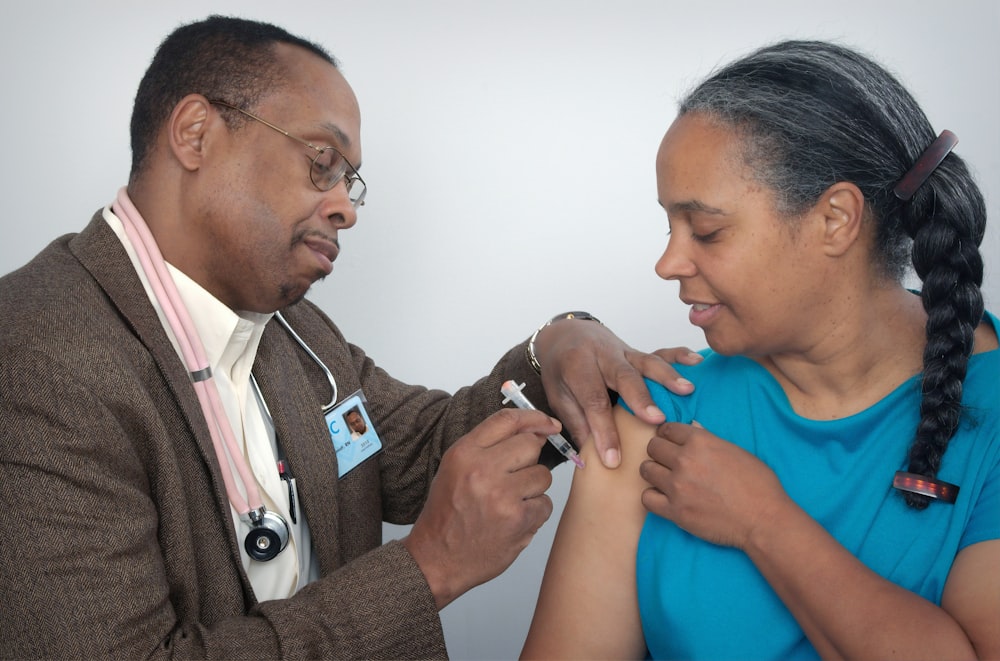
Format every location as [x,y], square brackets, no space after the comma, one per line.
[577,314]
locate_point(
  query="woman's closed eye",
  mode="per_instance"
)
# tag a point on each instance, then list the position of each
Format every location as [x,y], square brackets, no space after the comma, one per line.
[708,237]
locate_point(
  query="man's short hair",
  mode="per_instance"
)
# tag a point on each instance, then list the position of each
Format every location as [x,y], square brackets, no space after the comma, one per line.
[222,57]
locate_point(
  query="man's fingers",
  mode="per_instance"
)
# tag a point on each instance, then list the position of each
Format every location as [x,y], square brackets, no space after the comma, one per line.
[605,434]
[586,413]
[658,366]
[532,481]
[539,509]
[518,452]
[681,355]
[509,422]
[574,420]
[631,387]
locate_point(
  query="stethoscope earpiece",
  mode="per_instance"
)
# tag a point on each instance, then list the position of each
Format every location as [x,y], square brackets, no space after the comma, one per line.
[268,535]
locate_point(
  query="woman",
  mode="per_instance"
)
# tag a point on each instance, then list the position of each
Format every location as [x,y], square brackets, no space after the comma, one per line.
[788,493]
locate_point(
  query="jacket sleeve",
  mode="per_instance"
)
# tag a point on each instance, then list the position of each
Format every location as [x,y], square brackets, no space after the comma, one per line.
[114,545]
[106,555]
[416,424]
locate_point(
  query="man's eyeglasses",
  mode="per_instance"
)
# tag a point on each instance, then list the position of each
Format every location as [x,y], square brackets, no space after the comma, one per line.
[328,167]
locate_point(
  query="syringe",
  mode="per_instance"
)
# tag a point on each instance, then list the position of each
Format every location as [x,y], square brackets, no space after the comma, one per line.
[512,393]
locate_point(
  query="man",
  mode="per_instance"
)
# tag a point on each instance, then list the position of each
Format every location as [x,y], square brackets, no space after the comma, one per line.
[356,423]
[170,486]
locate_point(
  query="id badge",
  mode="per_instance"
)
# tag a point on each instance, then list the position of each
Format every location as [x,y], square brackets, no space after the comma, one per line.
[352,432]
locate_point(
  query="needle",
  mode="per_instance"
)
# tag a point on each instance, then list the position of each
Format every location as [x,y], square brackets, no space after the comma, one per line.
[512,393]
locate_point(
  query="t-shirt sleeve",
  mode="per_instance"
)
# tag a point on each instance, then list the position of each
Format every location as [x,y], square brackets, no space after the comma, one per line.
[984,523]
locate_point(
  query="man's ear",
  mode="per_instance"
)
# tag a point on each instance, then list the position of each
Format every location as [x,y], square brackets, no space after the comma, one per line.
[186,128]
[843,210]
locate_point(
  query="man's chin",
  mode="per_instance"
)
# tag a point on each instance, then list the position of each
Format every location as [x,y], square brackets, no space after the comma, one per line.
[291,295]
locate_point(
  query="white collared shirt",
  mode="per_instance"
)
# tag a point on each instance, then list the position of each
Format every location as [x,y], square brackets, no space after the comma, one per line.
[231,340]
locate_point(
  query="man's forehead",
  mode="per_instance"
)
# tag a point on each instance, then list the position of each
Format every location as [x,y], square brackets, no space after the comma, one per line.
[316,92]
[307,69]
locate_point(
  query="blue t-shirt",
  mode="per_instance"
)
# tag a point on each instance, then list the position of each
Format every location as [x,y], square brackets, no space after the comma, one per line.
[699,600]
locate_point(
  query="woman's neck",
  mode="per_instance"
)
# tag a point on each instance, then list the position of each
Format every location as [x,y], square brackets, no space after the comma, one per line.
[873,344]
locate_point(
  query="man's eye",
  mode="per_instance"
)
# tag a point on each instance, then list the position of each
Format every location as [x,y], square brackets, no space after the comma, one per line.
[322,166]
[328,161]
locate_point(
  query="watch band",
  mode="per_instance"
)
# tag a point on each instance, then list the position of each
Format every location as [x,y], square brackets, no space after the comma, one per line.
[530,352]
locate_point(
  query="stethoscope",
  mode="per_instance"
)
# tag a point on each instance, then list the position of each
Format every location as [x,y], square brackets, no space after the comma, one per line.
[269,532]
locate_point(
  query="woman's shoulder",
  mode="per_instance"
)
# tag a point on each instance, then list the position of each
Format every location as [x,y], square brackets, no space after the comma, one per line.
[986,334]
[982,380]
[715,376]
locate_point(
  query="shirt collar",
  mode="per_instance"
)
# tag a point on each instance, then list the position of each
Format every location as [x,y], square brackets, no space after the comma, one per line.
[230,338]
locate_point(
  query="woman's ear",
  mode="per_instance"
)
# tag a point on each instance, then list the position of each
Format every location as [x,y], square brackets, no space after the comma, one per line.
[186,128]
[843,210]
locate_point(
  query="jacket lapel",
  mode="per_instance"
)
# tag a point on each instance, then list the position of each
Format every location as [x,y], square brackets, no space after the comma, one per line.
[301,431]
[102,254]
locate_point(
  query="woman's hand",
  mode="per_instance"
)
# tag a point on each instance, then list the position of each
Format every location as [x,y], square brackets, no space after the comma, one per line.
[708,486]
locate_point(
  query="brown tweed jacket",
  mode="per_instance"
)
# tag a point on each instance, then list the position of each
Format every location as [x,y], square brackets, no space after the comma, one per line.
[115,533]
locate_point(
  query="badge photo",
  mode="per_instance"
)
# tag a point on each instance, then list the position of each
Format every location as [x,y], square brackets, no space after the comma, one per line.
[352,433]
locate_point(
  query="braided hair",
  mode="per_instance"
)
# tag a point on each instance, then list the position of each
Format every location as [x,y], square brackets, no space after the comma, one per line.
[812,114]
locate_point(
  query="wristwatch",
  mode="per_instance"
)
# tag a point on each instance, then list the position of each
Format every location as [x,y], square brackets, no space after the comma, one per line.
[575,314]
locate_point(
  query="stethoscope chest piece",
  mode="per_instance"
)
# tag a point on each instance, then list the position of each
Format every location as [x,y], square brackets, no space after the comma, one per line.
[268,535]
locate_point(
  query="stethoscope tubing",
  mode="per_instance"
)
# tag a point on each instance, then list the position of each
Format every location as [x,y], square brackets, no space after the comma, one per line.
[193,352]
[316,359]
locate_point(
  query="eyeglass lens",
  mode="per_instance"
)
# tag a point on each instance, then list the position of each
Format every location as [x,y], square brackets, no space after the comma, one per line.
[327,169]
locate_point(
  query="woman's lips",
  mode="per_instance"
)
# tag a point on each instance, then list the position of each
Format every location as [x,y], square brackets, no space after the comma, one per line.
[702,313]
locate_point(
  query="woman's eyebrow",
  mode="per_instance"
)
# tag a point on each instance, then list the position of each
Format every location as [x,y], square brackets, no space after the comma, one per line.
[693,205]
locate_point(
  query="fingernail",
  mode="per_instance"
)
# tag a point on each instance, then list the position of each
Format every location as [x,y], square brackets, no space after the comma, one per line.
[695,356]
[612,458]
[653,412]
[681,381]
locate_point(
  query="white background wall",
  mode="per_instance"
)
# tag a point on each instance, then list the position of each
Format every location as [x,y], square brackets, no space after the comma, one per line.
[509,152]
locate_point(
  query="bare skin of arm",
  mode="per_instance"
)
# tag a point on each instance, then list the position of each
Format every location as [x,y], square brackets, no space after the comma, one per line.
[587,606]
[816,578]
[972,596]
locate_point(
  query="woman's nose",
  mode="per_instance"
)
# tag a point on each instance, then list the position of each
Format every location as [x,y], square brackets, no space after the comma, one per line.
[674,263]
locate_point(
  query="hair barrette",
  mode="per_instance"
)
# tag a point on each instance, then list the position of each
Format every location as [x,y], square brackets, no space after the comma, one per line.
[925,165]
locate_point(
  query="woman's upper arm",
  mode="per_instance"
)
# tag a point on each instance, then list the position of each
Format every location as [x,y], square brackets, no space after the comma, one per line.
[587,606]
[972,596]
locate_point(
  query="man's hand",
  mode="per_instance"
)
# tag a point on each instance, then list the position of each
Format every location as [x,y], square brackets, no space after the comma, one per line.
[485,504]
[581,360]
